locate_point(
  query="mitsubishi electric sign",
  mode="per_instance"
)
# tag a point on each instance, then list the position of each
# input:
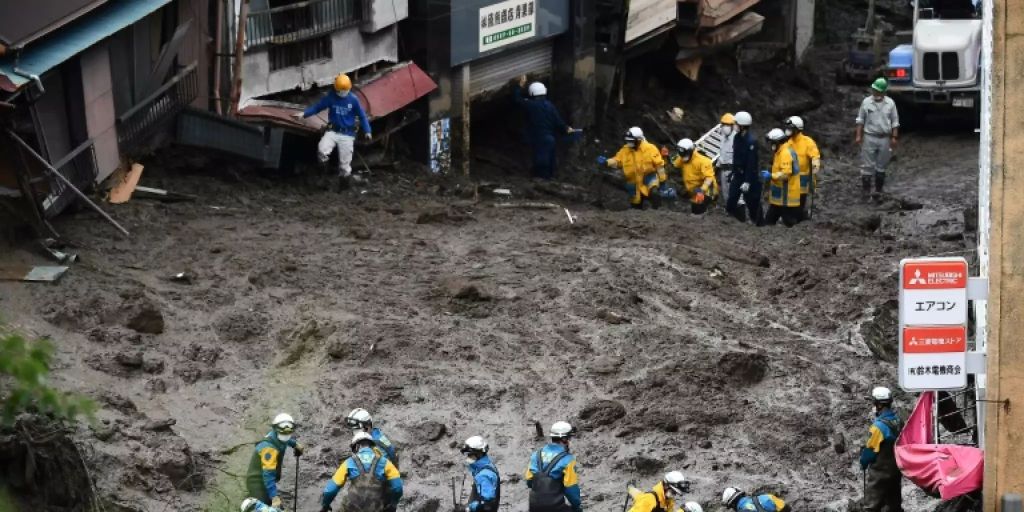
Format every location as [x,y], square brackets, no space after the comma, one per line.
[507,22]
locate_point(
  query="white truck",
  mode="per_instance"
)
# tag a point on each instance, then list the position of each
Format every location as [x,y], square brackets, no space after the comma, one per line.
[942,67]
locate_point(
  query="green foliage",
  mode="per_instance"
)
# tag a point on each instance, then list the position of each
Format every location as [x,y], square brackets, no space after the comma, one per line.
[24,366]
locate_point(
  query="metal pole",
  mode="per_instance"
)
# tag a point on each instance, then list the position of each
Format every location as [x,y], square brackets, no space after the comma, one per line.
[295,496]
[67,182]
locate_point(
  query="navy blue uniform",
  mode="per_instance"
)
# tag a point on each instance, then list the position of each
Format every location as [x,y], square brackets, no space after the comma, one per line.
[745,170]
[544,128]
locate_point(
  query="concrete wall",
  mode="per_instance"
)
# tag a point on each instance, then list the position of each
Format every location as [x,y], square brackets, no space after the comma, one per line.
[98,100]
[384,13]
[351,49]
[804,28]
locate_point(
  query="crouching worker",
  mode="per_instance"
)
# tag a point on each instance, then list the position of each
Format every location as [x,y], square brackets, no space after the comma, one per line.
[736,500]
[486,493]
[643,167]
[698,176]
[374,483]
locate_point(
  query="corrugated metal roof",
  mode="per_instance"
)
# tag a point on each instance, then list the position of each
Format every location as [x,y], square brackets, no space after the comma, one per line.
[23,21]
[52,50]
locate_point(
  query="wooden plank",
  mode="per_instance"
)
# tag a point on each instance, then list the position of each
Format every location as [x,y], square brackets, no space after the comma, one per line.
[719,13]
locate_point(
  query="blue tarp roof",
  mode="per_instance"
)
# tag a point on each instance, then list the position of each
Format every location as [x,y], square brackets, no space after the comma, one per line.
[49,52]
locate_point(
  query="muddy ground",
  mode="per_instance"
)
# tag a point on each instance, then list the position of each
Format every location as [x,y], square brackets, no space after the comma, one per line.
[732,353]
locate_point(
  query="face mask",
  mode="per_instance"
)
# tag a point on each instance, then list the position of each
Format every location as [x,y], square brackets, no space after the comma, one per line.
[631,145]
[342,93]
[877,97]
[686,158]
[726,130]
[775,147]
[470,461]
[284,437]
[789,132]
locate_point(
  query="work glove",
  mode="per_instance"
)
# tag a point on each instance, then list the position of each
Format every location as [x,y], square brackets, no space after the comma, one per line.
[778,176]
[602,160]
[698,192]
[275,502]
[766,175]
[368,136]
[744,187]
[299,449]
[299,115]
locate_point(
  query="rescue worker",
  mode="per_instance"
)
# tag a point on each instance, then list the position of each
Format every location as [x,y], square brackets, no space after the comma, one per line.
[265,465]
[810,162]
[882,477]
[698,176]
[375,483]
[643,167]
[784,187]
[723,165]
[486,493]
[255,505]
[551,475]
[745,184]
[878,129]
[736,500]
[544,126]
[663,495]
[359,420]
[344,112]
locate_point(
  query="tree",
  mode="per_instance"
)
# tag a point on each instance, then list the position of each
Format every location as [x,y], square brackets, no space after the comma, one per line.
[24,367]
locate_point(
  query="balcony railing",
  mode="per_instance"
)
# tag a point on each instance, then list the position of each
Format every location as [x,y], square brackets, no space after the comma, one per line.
[290,23]
[140,121]
[79,167]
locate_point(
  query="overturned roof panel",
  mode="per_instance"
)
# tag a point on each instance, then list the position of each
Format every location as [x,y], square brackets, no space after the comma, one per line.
[50,51]
[21,22]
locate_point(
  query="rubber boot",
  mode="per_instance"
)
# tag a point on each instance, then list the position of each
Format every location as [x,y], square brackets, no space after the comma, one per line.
[865,188]
[879,182]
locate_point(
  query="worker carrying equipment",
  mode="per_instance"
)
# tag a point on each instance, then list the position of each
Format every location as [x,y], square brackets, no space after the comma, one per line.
[882,479]
[359,420]
[264,470]
[643,167]
[376,484]
[736,500]
[745,182]
[344,114]
[878,129]
[810,162]
[551,475]
[255,505]
[544,127]
[662,497]
[486,493]
[698,175]
[784,188]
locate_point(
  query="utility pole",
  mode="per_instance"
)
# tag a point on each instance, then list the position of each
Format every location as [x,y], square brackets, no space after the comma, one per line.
[1002,168]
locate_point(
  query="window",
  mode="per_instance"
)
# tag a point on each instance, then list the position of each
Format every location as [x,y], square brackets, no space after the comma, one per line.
[950,66]
[931,66]
[301,52]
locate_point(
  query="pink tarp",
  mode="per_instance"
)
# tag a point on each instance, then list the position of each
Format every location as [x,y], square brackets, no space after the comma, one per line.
[947,469]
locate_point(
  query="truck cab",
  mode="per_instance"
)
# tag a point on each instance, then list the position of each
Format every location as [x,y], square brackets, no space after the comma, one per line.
[942,67]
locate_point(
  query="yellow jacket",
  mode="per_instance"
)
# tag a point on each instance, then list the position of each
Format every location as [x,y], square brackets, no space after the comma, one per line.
[785,184]
[643,168]
[654,500]
[809,156]
[697,173]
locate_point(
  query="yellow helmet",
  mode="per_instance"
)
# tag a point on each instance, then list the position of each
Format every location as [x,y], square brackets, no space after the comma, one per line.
[342,83]
[727,118]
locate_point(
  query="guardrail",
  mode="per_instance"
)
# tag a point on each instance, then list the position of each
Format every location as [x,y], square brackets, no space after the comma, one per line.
[299,21]
[160,107]
[79,167]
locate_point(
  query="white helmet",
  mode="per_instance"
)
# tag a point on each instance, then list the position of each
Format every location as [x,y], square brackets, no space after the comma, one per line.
[634,134]
[677,483]
[775,135]
[475,446]
[692,506]
[731,496]
[250,504]
[360,437]
[283,423]
[538,89]
[359,418]
[562,430]
[743,118]
[881,394]
[795,123]
[685,146]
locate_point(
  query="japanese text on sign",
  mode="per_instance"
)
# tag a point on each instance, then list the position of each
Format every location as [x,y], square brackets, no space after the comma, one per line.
[506,23]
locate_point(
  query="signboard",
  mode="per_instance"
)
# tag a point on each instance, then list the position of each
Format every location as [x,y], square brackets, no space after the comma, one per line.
[933,324]
[506,23]
[482,28]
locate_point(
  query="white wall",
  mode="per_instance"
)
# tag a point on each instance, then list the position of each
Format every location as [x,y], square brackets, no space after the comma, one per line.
[383,13]
[351,49]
